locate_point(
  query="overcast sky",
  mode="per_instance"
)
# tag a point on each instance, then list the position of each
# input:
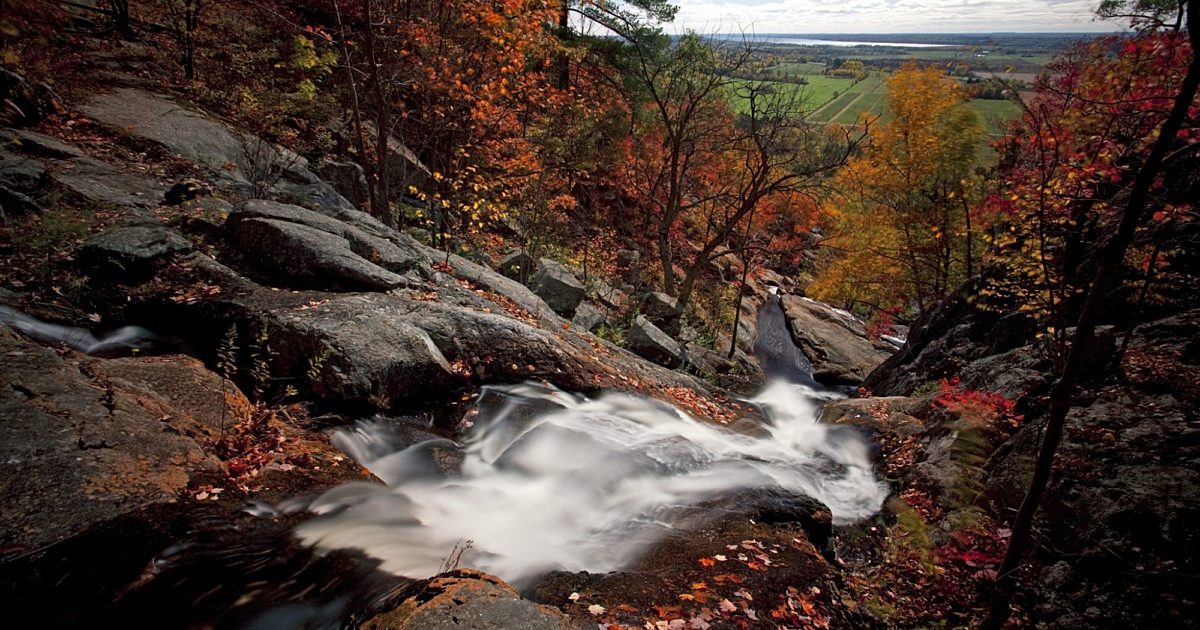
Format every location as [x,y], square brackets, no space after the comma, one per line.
[889,16]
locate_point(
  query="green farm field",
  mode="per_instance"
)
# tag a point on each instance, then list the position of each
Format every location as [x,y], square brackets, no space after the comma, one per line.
[820,90]
[843,102]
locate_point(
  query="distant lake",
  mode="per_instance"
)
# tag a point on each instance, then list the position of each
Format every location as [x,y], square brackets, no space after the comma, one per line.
[800,41]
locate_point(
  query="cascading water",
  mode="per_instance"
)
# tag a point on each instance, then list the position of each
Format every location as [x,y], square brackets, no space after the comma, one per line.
[124,338]
[550,480]
[776,351]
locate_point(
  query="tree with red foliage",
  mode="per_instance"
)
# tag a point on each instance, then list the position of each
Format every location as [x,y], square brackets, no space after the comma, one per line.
[1163,105]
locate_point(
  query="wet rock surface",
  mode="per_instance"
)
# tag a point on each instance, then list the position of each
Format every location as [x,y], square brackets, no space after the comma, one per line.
[80,447]
[834,341]
[470,600]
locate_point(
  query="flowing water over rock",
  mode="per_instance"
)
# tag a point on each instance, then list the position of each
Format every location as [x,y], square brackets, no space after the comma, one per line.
[775,350]
[554,481]
[81,339]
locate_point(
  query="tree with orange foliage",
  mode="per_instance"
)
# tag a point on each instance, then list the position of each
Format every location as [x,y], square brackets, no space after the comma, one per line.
[460,85]
[902,226]
[700,170]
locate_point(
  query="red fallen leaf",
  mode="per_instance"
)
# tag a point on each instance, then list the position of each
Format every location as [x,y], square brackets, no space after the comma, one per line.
[707,562]
[728,577]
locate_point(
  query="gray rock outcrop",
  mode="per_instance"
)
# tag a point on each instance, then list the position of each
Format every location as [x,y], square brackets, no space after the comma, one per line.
[234,159]
[648,341]
[78,446]
[834,341]
[588,317]
[662,310]
[293,243]
[347,178]
[518,265]
[558,287]
[131,250]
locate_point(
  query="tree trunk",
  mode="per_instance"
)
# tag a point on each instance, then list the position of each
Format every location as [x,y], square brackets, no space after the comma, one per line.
[664,257]
[562,70]
[360,138]
[383,121]
[1096,303]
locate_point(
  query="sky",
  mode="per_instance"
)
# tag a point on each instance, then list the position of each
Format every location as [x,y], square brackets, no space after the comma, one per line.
[889,16]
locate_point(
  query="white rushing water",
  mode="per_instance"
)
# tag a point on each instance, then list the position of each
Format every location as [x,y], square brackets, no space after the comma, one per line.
[81,339]
[555,481]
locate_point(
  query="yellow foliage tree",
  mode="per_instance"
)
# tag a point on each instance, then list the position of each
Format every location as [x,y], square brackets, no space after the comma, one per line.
[902,225]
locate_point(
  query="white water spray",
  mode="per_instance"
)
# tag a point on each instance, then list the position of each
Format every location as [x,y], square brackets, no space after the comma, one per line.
[553,481]
[81,339]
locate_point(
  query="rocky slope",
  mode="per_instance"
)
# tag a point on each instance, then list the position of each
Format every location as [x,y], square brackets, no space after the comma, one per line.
[251,274]
[1113,543]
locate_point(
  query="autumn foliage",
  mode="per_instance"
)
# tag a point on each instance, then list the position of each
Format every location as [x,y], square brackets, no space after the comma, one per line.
[1068,163]
[902,209]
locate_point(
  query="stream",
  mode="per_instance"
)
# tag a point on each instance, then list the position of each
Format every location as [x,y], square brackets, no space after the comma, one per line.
[553,481]
[541,480]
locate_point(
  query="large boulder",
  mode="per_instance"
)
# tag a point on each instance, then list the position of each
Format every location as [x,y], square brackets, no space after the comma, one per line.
[80,443]
[21,174]
[560,289]
[518,265]
[299,252]
[129,251]
[834,341]
[293,243]
[469,600]
[13,204]
[588,317]
[234,159]
[27,102]
[648,341]
[376,243]
[662,310]
[347,178]
[29,160]
[608,295]
[359,349]
[100,183]
[39,145]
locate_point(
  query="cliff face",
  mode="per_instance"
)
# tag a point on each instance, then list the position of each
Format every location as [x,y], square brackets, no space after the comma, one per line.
[1113,544]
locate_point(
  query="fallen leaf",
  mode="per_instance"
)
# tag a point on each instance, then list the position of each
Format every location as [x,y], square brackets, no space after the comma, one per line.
[727,606]
[596,609]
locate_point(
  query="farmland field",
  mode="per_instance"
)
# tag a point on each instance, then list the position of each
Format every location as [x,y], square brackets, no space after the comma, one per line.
[820,90]
[995,113]
[842,101]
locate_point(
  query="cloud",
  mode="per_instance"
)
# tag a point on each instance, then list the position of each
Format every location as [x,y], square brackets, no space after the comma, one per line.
[890,16]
